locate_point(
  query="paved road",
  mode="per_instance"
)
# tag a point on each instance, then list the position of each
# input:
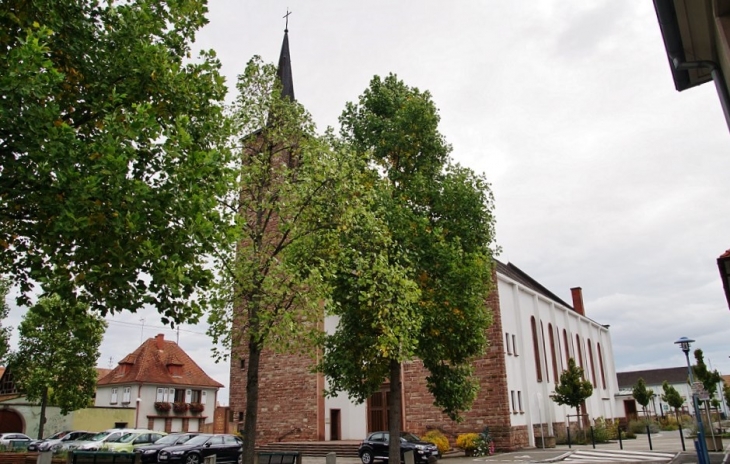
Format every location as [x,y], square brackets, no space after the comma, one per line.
[666,447]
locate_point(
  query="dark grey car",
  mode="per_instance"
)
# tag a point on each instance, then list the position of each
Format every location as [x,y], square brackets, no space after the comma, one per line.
[375,447]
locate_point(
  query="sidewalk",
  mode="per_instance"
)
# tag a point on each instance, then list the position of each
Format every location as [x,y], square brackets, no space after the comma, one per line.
[666,447]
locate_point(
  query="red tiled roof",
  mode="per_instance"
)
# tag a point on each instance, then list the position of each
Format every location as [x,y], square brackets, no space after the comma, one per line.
[101,372]
[150,363]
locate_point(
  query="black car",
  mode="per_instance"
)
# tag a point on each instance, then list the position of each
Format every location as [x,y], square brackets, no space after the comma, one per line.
[227,449]
[375,447]
[148,453]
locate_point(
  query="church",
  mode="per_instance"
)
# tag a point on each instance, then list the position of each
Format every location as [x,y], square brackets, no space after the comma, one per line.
[533,335]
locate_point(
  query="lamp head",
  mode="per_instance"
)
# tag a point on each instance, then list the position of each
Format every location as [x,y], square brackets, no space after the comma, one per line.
[684,343]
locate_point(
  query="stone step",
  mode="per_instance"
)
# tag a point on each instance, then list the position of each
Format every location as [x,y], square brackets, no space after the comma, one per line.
[315,449]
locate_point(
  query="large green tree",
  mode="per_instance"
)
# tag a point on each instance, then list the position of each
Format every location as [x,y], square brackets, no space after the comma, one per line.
[55,363]
[573,388]
[641,394]
[109,166]
[285,197]
[413,268]
[4,310]
[672,397]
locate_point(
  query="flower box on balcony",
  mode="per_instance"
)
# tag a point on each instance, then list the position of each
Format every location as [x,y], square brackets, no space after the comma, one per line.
[196,408]
[180,407]
[162,406]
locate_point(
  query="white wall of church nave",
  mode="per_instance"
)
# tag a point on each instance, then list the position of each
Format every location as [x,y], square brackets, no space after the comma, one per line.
[353,417]
[518,306]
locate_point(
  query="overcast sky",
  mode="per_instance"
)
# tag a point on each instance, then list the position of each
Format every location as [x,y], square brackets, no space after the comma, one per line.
[604,176]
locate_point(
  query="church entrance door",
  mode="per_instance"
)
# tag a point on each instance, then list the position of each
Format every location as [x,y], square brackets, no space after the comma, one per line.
[378,410]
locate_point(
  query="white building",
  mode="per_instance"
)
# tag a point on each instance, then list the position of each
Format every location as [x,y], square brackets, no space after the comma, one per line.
[168,390]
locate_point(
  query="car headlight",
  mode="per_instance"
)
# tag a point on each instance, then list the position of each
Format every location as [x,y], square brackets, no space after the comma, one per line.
[178,453]
[149,451]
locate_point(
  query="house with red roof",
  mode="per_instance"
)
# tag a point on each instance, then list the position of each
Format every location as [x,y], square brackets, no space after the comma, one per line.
[166,388]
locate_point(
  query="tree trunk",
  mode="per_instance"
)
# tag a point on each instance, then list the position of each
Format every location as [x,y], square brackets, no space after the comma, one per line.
[394,412]
[42,421]
[252,401]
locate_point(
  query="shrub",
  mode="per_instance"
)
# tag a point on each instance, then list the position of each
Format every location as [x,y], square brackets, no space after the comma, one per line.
[668,423]
[467,441]
[439,439]
[602,431]
[639,426]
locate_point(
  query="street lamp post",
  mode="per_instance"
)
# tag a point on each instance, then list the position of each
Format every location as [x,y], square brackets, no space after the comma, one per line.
[702,455]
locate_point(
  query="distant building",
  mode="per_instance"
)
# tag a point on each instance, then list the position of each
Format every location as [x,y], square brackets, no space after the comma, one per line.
[678,377]
[167,389]
[17,414]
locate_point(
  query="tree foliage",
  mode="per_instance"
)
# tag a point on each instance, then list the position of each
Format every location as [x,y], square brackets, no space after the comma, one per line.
[710,379]
[573,388]
[4,310]
[672,397]
[287,190]
[55,363]
[412,268]
[641,394]
[109,165]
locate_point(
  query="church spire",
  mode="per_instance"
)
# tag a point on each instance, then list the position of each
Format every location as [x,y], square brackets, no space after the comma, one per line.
[284,70]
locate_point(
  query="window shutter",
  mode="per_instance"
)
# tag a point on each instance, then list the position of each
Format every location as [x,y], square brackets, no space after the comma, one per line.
[160,395]
[114,396]
[126,398]
[188,395]
[203,394]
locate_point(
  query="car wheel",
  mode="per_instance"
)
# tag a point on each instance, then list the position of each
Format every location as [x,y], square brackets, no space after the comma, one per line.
[366,457]
[192,458]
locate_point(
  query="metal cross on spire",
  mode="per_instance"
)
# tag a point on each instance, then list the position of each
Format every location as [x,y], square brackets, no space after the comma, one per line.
[286,16]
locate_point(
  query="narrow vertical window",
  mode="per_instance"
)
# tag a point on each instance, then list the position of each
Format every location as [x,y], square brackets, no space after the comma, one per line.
[506,343]
[536,349]
[560,350]
[552,352]
[600,363]
[514,405]
[566,340]
[519,400]
[514,345]
[542,335]
[580,353]
[593,366]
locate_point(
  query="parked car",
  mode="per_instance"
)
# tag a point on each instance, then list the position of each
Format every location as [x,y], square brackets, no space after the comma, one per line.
[375,447]
[55,441]
[227,449]
[33,445]
[15,438]
[148,453]
[97,441]
[129,441]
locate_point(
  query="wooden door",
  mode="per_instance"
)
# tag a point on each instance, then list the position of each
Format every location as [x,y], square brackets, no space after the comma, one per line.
[335,427]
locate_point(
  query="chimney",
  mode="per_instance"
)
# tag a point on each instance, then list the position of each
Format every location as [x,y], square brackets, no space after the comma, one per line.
[160,341]
[577,293]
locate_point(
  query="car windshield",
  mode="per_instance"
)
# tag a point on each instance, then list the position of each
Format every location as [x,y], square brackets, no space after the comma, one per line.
[170,440]
[199,440]
[83,436]
[99,436]
[126,438]
[409,437]
[57,435]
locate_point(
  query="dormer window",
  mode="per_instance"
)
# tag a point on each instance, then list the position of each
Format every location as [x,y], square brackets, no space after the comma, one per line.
[175,370]
[123,369]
